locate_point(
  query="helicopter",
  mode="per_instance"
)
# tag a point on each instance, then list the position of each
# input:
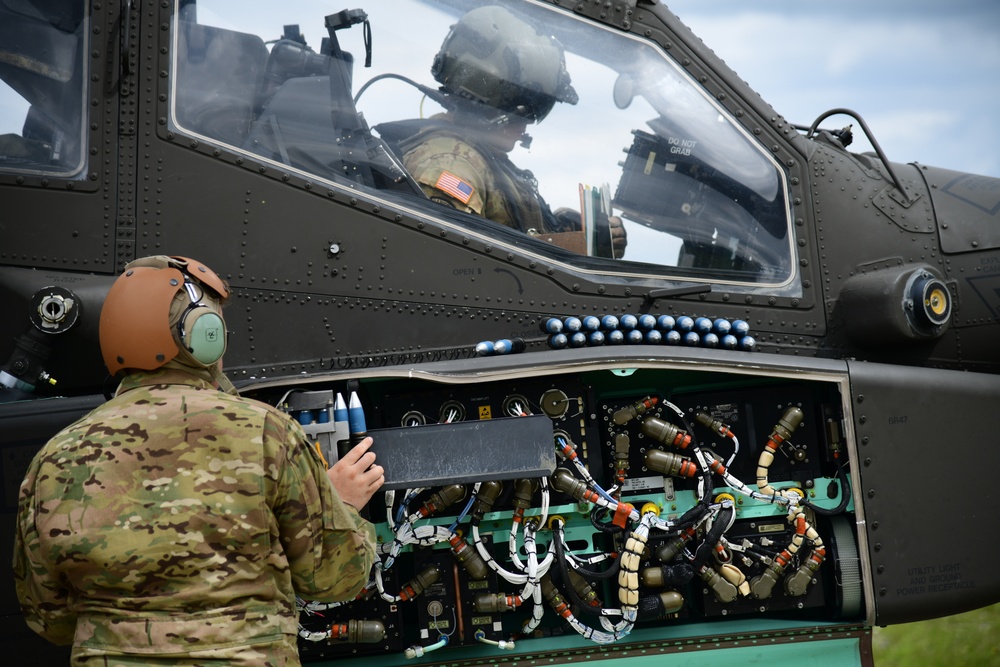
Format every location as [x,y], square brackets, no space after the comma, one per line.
[733,435]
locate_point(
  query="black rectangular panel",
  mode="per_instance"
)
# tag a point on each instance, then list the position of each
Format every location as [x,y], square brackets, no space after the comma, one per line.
[927,445]
[465,452]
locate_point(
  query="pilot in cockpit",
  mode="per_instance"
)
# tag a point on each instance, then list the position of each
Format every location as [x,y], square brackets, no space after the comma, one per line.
[498,76]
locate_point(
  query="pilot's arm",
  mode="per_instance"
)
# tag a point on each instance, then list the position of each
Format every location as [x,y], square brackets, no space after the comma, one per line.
[450,172]
[45,601]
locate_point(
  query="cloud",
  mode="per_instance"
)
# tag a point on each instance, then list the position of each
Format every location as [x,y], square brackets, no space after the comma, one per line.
[923,78]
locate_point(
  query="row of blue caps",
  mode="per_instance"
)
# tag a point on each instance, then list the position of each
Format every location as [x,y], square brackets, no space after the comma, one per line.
[646,329]
[592,331]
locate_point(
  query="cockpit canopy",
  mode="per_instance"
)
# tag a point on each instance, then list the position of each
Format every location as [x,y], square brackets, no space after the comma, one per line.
[699,197]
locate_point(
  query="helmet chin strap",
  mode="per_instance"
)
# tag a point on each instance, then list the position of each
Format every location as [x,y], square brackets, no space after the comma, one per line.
[221,380]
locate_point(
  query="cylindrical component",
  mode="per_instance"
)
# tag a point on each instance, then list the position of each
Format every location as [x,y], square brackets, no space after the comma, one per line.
[786,426]
[615,337]
[722,326]
[443,499]
[524,492]
[418,584]
[552,325]
[646,322]
[488,493]
[633,410]
[356,419]
[591,323]
[554,403]
[558,341]
[563,481]
[555,598]
[583,589]
[665,432]
[670,549]
[762,585]
[667,602]
[509,345]
[797,583]
[358,632]
[451,411]
[702,325]
[609,322]
[413,418]
[724,591]
[486,603]
[668,463]
[628,322]
[468,558]
[621,454]
[572,324]
[649,508]
[710,423]
[515,405]
[665,322]
[634,337]
[666,576]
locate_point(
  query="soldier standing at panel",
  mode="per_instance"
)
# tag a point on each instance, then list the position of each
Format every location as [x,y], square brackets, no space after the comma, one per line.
[176,523]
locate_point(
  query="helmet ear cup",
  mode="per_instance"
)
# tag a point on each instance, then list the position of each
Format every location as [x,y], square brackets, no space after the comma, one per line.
[203,334]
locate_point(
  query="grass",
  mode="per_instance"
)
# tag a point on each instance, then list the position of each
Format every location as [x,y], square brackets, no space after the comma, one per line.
[971,639]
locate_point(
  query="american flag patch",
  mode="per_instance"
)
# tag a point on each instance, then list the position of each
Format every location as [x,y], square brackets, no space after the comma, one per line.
[451,184]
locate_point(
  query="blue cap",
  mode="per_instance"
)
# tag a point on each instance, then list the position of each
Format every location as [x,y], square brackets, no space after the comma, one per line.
[665,322]
[558,341]
[356,415]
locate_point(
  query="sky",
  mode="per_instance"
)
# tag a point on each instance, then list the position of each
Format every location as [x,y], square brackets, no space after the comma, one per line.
[923,74]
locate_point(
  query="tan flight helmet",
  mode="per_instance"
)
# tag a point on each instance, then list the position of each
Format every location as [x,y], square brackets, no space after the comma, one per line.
[165,308]
[492,58]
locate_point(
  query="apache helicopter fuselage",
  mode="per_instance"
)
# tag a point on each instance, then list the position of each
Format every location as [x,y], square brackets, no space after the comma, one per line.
[782,272]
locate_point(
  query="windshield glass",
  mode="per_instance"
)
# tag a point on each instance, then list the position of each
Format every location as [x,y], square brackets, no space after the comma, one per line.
[585,141]
[43,70]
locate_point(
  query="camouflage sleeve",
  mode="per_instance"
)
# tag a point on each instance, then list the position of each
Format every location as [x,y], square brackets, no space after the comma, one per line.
[451,172]
[44,600]
[330,548]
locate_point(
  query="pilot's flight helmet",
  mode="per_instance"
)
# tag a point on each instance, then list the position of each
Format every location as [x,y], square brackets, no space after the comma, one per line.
[163,308]
[492,58]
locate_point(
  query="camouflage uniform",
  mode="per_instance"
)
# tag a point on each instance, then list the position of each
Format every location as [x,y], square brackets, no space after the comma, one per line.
[175,524]
[499,191]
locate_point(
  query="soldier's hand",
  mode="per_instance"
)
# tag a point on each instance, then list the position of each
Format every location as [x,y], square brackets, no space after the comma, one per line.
[619,240]
[356,476]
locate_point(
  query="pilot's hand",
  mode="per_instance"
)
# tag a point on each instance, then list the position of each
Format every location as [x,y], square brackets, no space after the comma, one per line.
[355,475]
[619,239]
